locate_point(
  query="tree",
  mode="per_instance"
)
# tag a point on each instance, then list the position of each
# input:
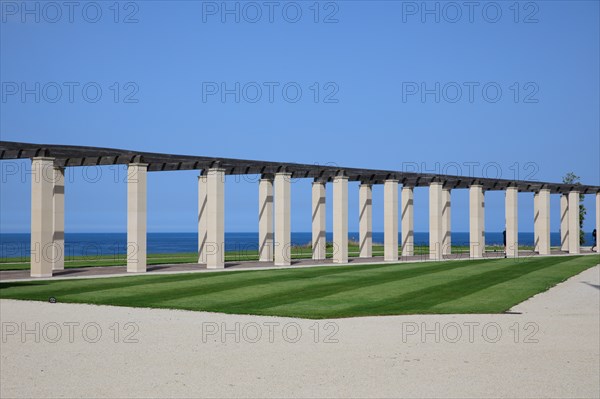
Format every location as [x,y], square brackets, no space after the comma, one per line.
[572,178]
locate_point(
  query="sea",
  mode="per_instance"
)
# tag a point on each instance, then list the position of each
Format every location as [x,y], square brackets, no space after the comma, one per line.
[15,245]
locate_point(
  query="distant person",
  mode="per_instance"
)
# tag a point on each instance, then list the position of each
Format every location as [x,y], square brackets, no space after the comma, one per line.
[595,237]
[504,241]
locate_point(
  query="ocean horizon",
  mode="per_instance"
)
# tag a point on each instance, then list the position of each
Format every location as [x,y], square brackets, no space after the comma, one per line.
[102,244]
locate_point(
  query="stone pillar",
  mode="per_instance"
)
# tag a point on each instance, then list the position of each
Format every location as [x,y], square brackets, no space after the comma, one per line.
[544,222]
[365,220]
[283,234]
[435,221]
[390,220]
[136,217]
[446,222]
[408,233]
[42,219]
[574,222]
[215,219]
[319,224]
[202,218]
[564,222]
[598,222]
[511,203]
[58,234]
[476,221]
[536,221]
[340,219]
[265,220]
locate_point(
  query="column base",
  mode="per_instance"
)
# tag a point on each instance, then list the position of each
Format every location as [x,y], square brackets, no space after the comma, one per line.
[40,275]
[283,264]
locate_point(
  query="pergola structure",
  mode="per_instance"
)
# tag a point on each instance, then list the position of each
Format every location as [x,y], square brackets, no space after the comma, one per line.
[47,205]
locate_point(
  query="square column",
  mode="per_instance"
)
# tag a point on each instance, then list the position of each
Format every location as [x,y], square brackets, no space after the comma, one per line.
[598,222]
[435,221]
[476,221]
[215,219]
[390,220]
[319,243]
[202,217]
[58,234]
[136,217]
[340,219]
[544,222]
[365,220]
[265,220]
[407,220]
[511,203]
[536,221]
[564,222]
[446,222]
[574,222]
[42,219]
[283,235]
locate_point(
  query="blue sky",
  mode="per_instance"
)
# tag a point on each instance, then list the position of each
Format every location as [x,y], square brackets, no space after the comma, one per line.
[494,89]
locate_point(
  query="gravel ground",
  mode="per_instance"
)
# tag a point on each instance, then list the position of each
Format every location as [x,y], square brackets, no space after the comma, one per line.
[548,346]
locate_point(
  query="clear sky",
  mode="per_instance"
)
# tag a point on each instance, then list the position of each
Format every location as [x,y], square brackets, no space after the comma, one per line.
[493,88]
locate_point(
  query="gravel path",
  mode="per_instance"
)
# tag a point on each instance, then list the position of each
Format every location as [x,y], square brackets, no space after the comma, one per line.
[549,346]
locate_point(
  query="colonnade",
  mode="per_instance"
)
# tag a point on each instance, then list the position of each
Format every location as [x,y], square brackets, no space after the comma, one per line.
[274,219]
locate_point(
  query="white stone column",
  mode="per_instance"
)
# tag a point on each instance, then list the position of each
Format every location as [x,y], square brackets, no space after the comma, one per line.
[446,222]
[544,222]
[42,219]
[215,219]
[202,217]
[283,235]
[390,220]
[435,221]
[511,203]
[536,221]
[365,220]
[340,219]
[319,240]
[598,222]
[408,233]
[58,234]
[265,220]
[574,222]
[564,222]
[136,217]
[476,221]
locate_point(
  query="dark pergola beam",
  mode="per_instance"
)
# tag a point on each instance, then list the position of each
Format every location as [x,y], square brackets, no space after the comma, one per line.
[76,156]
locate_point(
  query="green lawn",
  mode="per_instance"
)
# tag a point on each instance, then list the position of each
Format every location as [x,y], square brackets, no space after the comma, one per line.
[22,263]
[469,286]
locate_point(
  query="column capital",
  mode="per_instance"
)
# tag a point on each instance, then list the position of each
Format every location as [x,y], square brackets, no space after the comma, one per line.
[43,159]
[138,164]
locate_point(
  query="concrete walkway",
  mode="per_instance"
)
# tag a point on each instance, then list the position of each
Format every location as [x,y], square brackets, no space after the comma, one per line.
[114,271]
[547,347]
